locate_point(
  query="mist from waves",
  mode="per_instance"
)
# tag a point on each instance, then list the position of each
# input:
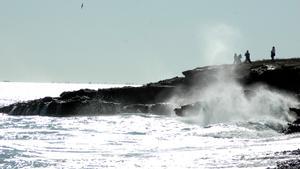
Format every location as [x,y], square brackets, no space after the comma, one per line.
[223,103]
[227,101]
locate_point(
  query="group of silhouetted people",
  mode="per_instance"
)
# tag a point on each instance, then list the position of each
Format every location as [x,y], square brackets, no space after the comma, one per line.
[237,58]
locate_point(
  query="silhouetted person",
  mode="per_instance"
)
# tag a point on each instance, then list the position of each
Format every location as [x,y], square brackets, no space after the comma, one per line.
[273,53]
[82,5]
[247,55]
[239,59]
[235,57]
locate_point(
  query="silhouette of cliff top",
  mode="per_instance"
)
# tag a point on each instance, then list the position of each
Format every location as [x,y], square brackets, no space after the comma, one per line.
[288,62]
[238,70]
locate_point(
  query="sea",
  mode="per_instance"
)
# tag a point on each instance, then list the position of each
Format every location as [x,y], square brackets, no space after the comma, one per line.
[135,140]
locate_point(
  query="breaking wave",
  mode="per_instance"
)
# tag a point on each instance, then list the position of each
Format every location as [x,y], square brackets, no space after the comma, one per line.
[227,101]
[230,103]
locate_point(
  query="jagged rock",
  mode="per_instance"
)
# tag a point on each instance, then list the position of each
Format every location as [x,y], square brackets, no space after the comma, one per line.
[47,99]
[79,106]
[79,93]
[137,95]
[293,152]
[296,111]
[137,108]
[283,74]
[169,82]
[189,109]
[97,107]
[292,128]
[297,96]
[290,164]
[294,163]
[162,109]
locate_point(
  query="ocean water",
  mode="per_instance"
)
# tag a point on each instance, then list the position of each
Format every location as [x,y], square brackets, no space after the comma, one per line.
[136,140]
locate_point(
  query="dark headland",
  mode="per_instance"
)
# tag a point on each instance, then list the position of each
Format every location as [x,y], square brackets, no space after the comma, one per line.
[157,98]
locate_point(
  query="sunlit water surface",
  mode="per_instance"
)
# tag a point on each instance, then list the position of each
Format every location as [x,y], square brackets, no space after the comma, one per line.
[136,141]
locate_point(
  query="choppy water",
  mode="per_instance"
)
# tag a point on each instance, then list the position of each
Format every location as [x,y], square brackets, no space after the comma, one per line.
[137,141]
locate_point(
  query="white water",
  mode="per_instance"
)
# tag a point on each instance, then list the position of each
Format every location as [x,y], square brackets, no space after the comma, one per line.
[137,141]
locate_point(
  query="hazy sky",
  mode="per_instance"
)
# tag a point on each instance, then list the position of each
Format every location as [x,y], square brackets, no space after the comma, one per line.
[138,41]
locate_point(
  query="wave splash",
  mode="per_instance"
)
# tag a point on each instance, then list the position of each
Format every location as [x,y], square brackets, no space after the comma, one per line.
[229,102]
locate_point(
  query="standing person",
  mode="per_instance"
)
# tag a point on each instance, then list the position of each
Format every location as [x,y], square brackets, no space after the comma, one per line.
[239,59]
[273,53]
[235,58]
[247,55]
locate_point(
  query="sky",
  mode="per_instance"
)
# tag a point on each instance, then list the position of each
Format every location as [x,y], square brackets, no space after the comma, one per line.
[138,41]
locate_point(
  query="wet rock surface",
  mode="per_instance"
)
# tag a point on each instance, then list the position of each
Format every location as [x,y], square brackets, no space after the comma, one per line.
[290,164]
[293,127]
[82,106]
[293,163]
[293,152]
[188,110]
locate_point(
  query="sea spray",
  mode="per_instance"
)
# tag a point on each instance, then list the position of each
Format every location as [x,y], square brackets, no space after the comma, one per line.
[217,41]
[225,100]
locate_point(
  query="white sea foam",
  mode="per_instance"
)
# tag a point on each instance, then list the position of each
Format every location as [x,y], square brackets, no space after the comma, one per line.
[134,141]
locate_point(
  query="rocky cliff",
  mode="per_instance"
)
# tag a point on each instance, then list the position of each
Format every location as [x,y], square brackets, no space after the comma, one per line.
[157,97]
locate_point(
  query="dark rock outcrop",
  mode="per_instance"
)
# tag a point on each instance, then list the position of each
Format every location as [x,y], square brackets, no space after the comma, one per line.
[290,164]
[296,111]
[82,106]
[156,97]
[293,163]
[188,110]
[290,153]
[293,127]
